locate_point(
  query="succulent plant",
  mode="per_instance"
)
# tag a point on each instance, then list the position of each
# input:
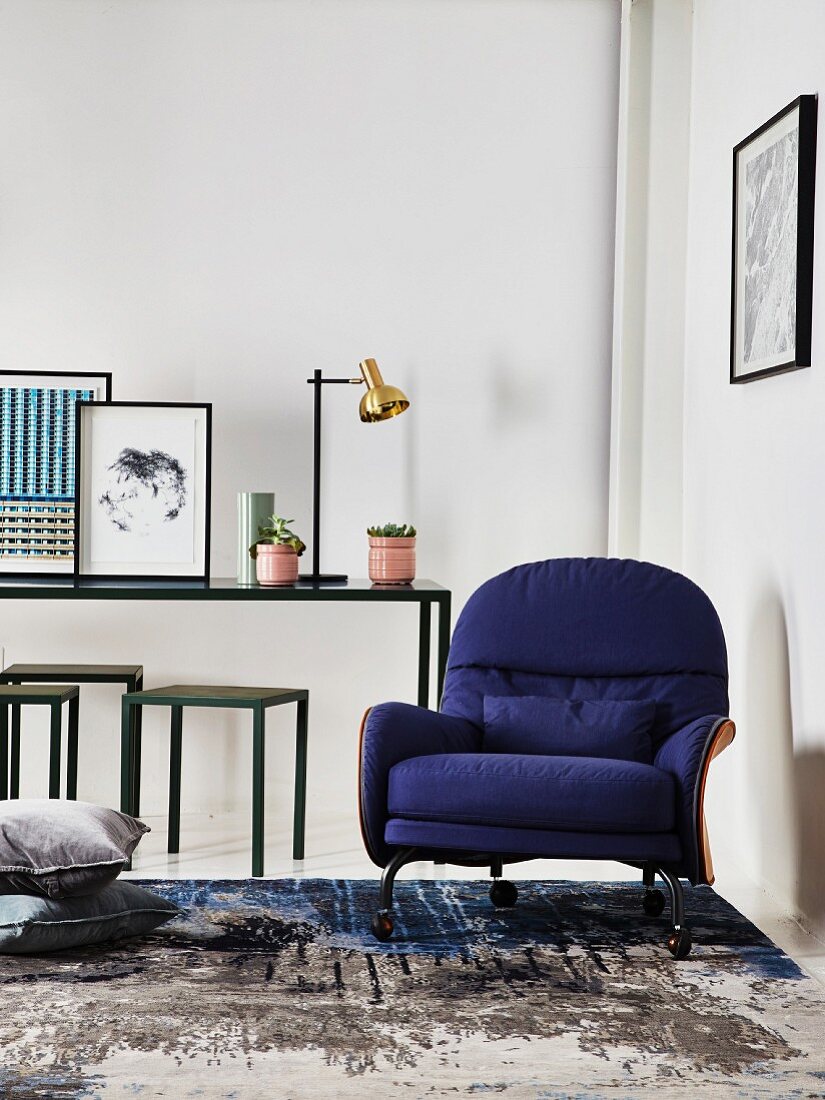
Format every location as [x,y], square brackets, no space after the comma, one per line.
[392,531]
[276,532]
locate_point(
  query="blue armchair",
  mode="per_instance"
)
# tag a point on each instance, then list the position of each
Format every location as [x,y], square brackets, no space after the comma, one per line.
[604,633]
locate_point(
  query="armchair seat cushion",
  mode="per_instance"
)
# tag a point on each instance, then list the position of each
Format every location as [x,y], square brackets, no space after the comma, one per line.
[580,794]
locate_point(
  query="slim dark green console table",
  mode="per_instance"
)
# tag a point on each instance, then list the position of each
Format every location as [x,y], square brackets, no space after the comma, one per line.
[424,593]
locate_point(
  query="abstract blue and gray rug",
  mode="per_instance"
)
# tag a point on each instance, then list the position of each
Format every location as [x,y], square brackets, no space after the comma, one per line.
[275,989]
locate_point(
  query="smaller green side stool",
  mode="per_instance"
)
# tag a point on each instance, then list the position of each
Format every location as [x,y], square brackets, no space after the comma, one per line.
[42,695]
[131,676]
[256,699]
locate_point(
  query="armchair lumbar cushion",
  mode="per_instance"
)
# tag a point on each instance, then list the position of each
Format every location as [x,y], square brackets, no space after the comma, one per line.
[616,729]
[583,703]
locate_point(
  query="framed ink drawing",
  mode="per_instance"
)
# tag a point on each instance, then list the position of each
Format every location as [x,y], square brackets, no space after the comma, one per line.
[774,171]
[37,467]
[142,509]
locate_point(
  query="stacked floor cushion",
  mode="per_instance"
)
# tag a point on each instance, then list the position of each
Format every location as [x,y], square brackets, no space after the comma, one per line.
[59,862]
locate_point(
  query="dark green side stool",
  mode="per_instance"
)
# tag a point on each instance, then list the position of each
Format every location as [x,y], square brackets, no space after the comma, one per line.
[256,699]
[42,695]
[131,676]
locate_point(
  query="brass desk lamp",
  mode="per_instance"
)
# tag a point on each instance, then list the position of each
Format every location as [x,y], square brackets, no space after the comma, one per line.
[380,402]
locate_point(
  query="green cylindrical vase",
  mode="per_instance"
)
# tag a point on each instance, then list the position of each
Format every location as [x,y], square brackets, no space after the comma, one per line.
[253,510]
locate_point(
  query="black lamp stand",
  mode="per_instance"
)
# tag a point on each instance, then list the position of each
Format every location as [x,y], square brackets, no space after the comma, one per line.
[316,576]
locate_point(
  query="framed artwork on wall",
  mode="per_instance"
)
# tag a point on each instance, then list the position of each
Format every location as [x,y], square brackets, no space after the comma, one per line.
[774,171]
[37,467]
[142,509]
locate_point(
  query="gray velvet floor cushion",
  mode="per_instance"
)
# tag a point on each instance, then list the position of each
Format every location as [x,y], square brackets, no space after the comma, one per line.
[30,924]
[63,849]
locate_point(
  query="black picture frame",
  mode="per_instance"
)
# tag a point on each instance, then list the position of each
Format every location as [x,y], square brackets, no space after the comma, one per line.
[202,574]
[800,355]
[30,566]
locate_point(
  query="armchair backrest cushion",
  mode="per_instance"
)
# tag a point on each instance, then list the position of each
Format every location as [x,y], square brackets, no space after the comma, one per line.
[590,628]
[536,724]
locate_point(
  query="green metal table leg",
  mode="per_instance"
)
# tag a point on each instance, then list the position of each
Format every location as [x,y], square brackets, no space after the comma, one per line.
[71,753]
[4,752]
[424,655]
[299,821]
[137,731]
[443,650]
[125,757]
[443,640]
[174,780]
[54,751]
[258,755]
[14,787]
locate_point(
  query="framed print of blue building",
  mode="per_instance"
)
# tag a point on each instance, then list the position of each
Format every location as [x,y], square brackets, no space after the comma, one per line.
[37,467]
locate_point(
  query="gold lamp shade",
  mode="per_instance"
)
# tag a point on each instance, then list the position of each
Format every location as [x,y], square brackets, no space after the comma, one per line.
[381,401]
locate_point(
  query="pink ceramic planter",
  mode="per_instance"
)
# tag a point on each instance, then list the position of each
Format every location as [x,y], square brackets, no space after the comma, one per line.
[392,561]
[276,564]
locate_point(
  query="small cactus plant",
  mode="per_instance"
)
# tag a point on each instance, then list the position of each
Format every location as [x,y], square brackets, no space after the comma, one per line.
[276,532]
[392,531]
[392,553]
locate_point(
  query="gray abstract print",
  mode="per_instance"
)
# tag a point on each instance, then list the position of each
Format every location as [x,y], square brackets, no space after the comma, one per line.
[770,250]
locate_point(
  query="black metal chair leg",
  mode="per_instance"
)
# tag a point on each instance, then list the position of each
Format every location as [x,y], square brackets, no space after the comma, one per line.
[677,897]
[402,856]
[382,923]
[653,901]
[679,942]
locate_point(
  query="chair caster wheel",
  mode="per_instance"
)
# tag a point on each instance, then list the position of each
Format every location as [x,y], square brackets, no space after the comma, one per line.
[503,894]
[653,903]
[382,926]
[679,943]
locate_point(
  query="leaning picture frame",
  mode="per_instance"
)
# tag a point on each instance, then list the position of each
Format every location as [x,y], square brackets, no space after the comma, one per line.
[774,174]
[143,497]
[37,467]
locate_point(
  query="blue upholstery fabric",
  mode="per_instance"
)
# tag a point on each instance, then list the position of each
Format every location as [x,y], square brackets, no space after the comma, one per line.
[683,755]
[590,617]
[395,732]
[679,699]
[455,843]
[590,629]
[615,729]
[580,793]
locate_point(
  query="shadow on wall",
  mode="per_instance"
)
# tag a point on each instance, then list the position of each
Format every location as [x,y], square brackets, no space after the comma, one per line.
[809,775]
[787,786]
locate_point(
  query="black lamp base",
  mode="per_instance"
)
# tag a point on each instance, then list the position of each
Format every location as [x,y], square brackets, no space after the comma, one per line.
[323,578]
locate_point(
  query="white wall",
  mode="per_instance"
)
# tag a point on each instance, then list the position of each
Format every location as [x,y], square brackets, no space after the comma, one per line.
[754,463]
[747,491]
[212,197]
[649,297]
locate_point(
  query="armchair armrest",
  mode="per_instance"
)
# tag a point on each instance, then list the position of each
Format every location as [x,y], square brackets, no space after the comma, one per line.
[687,755]
[390,733]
